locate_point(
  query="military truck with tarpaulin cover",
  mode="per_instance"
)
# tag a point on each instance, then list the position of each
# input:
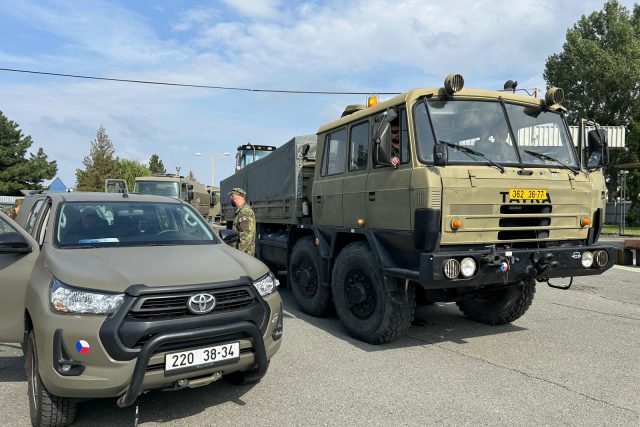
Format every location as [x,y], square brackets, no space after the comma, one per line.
[487,196]
[176,186]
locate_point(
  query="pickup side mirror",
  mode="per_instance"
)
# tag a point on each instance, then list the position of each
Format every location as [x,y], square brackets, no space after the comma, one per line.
[598,149]
[228,236]
[440,154]
[12,242]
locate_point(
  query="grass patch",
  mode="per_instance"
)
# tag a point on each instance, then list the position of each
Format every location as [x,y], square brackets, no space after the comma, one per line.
[615,229]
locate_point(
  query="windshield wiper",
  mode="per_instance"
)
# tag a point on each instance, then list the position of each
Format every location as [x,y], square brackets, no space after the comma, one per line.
[546,157]
[471,151]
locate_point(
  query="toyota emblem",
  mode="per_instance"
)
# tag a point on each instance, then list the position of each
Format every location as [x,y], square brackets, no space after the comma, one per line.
[201,303]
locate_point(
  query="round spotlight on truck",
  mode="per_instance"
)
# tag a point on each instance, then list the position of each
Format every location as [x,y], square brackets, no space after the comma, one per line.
[601,258]
[453,83]
[587,259]
[467,267]
[451,268]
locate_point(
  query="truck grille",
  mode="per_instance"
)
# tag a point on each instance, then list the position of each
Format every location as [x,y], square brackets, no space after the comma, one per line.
[175,306]
[517,220]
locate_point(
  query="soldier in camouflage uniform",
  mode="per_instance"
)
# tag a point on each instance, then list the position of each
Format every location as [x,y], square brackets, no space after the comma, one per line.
[244,222]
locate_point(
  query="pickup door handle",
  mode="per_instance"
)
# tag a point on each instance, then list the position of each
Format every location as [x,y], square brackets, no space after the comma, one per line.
[372,195]
[318,199]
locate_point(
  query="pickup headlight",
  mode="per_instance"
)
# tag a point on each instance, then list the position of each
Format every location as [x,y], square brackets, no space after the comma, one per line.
[67,299]
[266,284]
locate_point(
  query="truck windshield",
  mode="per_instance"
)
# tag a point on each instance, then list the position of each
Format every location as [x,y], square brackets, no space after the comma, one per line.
[157,188]
[482,126]
[98,224]
[249,156]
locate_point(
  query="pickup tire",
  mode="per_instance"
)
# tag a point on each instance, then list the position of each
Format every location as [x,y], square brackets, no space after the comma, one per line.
[305,279]
[500,306]
[45,409]
[372,307]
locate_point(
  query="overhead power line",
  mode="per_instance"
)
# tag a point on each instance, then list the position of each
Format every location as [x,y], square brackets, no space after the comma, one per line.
[150,82]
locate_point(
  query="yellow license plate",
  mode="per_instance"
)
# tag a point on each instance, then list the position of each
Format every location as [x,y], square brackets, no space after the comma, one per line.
[527,194]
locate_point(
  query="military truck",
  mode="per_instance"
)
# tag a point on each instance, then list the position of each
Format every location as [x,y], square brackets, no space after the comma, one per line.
[179,187]
[488,197]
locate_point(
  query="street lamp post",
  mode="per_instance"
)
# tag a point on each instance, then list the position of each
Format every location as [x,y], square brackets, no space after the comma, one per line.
[212,157]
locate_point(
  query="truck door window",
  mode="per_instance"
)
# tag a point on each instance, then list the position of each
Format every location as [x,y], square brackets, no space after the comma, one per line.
[359,146]
[399,141]
[334,153]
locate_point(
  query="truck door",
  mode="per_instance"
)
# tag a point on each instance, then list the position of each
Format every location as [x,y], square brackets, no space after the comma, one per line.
[388,203]
[354,205]
[327,203]
[18,254]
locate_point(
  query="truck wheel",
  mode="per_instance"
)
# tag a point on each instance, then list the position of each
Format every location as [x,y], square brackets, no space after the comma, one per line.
[500,306]
[372,307]
[45,409]
[304,276]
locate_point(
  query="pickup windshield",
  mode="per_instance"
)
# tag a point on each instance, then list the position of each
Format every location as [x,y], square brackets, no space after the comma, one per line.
[97,224]
[157,188]
[482,126]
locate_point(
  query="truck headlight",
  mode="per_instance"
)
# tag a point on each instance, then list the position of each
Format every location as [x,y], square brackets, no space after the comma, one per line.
[467,267]
[587,259]
[67,299]
[266,284]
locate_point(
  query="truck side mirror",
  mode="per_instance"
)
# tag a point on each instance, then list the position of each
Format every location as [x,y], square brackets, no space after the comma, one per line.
[440,154]
[190,195]
[598,154]
[382,137]
[190,187]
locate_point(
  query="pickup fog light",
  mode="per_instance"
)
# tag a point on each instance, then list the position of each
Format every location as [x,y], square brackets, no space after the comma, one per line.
[67,299]
[266,284]
[451,268]
[601,258]
[587,259]
[467,267]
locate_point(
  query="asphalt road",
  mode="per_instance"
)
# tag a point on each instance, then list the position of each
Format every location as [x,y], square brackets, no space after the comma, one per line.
[573,359]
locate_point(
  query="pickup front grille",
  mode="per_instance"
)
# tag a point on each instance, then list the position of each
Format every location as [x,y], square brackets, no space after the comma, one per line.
[159,307]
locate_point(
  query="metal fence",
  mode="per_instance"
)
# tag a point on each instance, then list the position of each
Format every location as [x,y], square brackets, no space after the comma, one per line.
[616,210]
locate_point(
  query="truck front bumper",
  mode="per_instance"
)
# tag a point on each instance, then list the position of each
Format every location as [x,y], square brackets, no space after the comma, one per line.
[541,264]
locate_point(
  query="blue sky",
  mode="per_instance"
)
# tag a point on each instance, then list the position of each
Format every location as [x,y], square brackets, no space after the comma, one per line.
[354,46]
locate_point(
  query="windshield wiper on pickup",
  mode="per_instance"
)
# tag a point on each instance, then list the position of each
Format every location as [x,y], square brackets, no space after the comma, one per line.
[471,151]
[548,158]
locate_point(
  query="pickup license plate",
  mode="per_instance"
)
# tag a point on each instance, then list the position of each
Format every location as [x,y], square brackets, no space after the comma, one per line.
[527,194]
[201,357]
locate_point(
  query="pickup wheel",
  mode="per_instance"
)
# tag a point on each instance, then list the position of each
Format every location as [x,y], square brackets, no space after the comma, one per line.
[500,306]
[304,276]
[372,307]
[45,408]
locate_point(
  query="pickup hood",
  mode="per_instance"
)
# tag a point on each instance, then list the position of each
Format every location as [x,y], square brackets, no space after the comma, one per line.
[114,269]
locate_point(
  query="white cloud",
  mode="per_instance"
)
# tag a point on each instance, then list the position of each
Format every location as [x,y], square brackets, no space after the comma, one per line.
[255,8]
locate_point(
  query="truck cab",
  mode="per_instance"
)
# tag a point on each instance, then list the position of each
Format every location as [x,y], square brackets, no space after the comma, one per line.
[249,153]
[179,187]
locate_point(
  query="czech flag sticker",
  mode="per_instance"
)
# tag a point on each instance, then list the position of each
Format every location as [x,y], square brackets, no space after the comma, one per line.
[82,346]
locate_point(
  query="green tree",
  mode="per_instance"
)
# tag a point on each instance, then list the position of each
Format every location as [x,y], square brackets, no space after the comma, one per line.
[16,171]
[599,68]
[130,169]
[156,165]
[99,165]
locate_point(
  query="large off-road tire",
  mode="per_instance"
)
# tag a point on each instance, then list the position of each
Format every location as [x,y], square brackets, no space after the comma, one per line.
[305,279]
[45,409]
[500,306]
[372,307]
